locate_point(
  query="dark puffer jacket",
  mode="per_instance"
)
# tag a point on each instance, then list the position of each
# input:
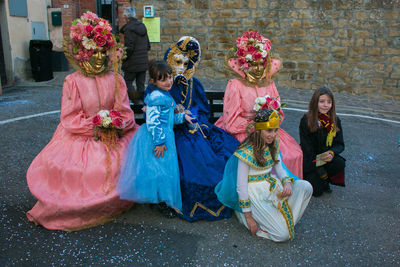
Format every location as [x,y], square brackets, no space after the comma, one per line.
[137,44]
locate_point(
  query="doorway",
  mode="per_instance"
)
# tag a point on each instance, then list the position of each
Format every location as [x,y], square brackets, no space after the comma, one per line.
[108,9]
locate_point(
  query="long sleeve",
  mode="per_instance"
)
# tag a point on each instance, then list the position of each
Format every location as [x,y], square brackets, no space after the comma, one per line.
[338,142]
[156,123]
[234,122]
[73,118]
[306,146]
[125,108]
[179,118]
[241,187]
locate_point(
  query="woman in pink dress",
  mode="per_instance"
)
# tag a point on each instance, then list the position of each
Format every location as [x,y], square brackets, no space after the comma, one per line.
[74,176]
[252,64]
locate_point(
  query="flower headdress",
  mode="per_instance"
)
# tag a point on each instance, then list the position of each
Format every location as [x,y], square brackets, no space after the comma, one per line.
[249,48]
[252,47]
[88,34]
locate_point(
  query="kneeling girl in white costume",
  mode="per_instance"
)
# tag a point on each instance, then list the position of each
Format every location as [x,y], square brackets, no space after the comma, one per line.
[267,198]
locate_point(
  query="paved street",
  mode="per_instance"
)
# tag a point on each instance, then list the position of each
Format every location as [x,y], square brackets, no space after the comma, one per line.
[358,225]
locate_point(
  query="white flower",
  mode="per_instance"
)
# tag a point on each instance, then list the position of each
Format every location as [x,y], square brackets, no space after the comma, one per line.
[107,122]
[249,57]
[88,43]
[256,107]
[259,46]
[260,100]
[104,113]
[264,53]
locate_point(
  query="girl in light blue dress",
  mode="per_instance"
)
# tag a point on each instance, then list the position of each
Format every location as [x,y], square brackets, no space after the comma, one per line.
[150,172]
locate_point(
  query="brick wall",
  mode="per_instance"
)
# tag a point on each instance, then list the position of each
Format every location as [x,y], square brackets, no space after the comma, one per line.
[348,45]
[76,8]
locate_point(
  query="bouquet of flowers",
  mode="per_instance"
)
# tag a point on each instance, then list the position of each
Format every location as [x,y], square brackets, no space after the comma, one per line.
[108,126]
[268,102]
[252,47]
[107,120]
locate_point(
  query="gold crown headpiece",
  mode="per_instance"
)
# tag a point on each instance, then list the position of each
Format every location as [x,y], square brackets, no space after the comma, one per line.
[266,122]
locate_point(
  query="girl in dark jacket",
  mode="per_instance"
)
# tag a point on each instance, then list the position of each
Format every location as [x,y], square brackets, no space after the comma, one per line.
[321,139]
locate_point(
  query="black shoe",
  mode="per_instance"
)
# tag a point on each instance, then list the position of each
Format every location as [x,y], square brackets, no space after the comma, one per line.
[327,189]
[166,211]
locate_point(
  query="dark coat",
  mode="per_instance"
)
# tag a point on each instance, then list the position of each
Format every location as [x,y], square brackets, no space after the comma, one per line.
[315,143]
[137,44]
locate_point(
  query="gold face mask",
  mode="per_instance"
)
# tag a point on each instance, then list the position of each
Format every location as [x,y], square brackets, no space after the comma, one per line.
[257,72]
[96,63]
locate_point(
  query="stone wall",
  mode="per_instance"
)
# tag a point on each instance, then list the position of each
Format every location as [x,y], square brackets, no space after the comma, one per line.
[347,45]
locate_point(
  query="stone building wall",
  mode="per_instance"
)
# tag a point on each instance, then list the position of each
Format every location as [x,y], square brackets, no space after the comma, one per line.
[347,45]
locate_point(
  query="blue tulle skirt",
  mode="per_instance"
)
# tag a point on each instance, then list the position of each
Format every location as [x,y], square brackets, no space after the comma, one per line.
[147,179]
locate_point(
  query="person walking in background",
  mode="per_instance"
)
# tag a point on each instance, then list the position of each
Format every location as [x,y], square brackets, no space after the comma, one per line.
[321,139]
[137,46]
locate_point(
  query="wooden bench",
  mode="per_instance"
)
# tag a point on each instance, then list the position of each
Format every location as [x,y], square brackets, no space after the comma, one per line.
[215,100]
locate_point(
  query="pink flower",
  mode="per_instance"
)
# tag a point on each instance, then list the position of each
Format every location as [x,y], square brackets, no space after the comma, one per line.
[88,30]
[83,55]
[118,123]
[100,40]
[257,56]
[274,104]
[251,48]
[100,29]
[242,60]
[265,106]
[240,52]
[114,114]
[97,120]
[267,45]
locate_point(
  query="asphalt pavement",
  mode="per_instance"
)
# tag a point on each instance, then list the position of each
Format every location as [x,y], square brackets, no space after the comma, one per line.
[356,225]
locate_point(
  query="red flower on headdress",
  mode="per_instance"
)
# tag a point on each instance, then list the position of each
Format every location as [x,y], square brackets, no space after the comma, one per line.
[100,40]
[256,56]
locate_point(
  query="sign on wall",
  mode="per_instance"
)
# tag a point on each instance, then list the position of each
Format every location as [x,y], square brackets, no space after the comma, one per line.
[153,28]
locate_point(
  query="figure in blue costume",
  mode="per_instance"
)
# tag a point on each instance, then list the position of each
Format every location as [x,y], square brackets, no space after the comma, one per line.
[150,173]
[202,148]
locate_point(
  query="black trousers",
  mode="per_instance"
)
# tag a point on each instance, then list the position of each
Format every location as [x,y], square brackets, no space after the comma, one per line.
[140,78]
[332,168]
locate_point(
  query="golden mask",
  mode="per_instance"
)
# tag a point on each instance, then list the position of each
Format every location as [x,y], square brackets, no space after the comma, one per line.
[256,72]
[96,63]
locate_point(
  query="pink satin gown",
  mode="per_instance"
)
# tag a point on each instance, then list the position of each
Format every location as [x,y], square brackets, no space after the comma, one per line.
[238,109]
[68,177]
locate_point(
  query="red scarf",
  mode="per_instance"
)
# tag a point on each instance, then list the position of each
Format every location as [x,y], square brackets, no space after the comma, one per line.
[329,126]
